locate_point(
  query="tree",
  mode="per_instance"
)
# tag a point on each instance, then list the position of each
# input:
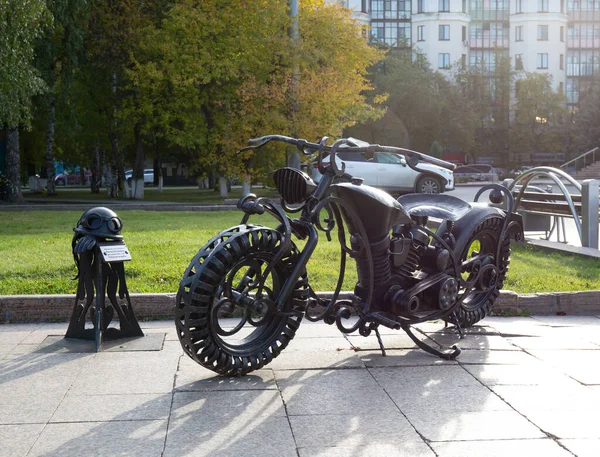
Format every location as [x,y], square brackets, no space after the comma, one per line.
[586,122]
[216,74]
[539,118]
[59,53]
[487,86]
[21,22]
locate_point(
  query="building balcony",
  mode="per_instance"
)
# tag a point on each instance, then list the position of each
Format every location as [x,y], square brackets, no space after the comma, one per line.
[489,43]
[583,43]
[490,15]
[583,70]
[584,16]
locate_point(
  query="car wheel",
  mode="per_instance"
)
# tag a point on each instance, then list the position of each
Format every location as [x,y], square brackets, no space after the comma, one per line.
[429,185]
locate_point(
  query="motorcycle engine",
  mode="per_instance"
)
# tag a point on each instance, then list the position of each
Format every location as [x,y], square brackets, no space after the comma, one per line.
[420,269]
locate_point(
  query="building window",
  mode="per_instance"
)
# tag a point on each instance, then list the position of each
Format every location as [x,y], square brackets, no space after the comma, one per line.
[542,33]
[464,6]
[542,61]
[561,64]
[542,6]
[420,6]
[518,61]
[463,61]
[363,6]
[444,32]
[562,33]
[519,6]
[420,33]
[561,88]
[562,6]
[444,6]
[464,33]
[519,33]
[444,61]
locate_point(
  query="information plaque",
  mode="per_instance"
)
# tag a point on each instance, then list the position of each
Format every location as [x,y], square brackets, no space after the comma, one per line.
[114,252]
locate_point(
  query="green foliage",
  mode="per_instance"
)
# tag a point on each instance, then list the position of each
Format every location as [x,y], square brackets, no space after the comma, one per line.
[423,103]
[586,122]
[540,113]
[21,23]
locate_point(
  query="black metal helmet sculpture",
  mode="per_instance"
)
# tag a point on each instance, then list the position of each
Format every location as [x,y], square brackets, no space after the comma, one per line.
[100,222]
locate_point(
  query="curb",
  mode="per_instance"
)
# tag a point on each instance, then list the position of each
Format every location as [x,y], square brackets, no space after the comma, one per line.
[58,308]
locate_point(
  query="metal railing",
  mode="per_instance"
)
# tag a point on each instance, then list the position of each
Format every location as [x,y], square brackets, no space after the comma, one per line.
[593,152]
[583,208]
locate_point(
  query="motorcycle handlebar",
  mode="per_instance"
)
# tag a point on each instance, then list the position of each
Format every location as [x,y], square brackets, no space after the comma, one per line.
[308,148]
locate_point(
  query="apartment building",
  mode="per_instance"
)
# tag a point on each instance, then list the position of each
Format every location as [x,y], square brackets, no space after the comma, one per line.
[559,37]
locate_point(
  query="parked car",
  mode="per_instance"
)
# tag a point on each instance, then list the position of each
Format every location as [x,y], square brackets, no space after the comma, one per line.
[478,172]
[148,176]
[66,179]
[390,172]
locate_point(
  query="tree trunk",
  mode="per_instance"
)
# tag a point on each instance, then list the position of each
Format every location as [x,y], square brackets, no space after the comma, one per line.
[96,178]
[50,174]
[246,185]
[13,165]
[223,187]
[137,177]
[158,177]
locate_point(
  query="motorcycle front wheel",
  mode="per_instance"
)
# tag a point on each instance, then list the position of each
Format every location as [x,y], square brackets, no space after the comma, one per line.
[226,317]
[482,246]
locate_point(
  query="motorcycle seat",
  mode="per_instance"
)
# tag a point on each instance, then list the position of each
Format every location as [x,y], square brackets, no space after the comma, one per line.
[439,206]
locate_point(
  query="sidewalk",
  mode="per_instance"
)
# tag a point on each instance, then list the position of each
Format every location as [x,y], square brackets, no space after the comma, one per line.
[522,386]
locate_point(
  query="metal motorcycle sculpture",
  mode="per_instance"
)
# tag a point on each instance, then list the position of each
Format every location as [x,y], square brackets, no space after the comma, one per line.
[244,294]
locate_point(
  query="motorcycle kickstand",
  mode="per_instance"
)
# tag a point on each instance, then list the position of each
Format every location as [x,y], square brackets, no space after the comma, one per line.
[380,341]
[447,354]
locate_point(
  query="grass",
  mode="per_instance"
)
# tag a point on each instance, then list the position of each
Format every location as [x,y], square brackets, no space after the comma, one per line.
[151,194]
[35,254]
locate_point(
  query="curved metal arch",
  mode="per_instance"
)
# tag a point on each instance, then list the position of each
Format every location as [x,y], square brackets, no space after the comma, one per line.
[555,175]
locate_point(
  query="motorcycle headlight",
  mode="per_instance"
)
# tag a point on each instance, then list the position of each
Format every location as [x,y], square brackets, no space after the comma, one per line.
[293,185]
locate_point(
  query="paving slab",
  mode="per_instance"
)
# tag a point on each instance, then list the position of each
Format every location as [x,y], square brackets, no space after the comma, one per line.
[193,377]
[549,398]
[405,449]
[470,426]
[535,373]
[229,423]
[469,357]
[128,373]
[569,424]
[580,365]
[353,430]
[323,392]
[109,407]
[16,440]
[102,439]
[315,360]
[401,358]
[501,448]
[582,447]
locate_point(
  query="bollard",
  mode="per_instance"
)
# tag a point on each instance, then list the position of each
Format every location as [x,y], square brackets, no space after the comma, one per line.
[589,213]
[99,252]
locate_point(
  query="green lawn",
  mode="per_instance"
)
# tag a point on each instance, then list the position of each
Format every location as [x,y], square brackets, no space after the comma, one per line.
[35,254]
[151,194]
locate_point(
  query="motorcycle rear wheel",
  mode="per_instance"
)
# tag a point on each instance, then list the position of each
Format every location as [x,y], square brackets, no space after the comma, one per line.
[225,320]
[484,240]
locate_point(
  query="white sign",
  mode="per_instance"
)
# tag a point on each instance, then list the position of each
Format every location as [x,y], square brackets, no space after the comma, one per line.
[114,252]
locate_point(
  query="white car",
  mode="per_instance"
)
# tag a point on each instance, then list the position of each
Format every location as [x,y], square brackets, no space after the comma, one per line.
[389,171]
[148,176]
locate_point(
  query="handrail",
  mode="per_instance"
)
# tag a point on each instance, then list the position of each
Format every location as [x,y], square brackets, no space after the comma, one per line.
[579,157]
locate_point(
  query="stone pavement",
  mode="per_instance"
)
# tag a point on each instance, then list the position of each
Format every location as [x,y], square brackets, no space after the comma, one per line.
[522,386]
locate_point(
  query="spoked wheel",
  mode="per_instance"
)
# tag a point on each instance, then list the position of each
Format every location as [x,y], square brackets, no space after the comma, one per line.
[478,268]
[226,318]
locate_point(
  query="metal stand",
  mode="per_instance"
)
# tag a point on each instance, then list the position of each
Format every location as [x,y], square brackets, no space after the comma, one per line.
[101,273]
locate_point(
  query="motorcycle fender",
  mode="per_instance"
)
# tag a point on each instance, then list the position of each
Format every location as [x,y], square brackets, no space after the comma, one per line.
[462,228]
